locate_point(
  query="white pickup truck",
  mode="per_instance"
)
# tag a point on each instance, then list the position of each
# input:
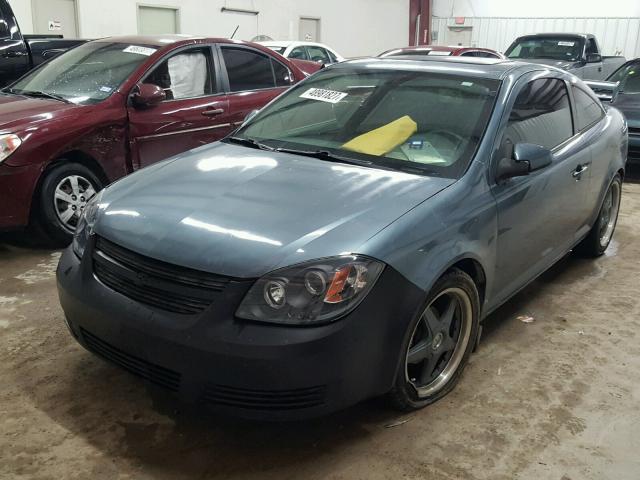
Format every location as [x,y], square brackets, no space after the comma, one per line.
[578,53]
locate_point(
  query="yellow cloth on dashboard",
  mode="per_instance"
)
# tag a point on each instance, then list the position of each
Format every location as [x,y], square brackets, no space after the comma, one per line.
[383,139]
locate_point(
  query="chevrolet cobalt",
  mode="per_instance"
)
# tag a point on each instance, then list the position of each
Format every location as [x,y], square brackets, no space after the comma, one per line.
[348,240]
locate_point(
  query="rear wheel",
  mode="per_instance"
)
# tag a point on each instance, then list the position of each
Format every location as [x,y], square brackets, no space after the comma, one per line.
[598,239]
[64,193]
[441,341]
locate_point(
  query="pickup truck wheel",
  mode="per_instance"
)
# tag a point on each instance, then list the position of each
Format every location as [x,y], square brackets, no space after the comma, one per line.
[441,340]
[64,192]
[598,239]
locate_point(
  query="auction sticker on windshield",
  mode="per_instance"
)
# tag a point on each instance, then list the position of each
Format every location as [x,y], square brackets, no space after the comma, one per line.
[139,50]
[323,95]
[566,44]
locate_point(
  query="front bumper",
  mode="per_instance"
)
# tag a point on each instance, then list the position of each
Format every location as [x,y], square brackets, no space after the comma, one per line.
[248,369]
[17,185]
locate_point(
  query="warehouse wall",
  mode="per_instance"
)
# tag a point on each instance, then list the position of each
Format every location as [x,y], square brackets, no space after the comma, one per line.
[353,27]
[537,8]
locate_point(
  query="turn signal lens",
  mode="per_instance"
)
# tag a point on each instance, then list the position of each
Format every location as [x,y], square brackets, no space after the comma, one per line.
[311,293]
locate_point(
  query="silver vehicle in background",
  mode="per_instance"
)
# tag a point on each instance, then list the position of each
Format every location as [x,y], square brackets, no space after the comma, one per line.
[578,53]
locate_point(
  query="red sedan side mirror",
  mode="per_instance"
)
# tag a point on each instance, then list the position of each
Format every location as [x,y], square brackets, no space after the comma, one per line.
[147,95]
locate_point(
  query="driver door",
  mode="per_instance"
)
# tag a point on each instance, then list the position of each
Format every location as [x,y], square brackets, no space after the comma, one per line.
[195,112]
[538,213]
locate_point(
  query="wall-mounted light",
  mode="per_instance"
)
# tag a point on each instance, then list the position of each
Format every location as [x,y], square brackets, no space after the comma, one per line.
[239,10]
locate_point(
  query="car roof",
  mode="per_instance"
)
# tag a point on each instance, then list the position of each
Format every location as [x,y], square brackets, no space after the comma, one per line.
[165,40]
[556,35]
[492,68]
[288,43]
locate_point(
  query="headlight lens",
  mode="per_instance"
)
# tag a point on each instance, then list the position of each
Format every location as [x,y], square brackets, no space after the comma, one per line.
[8,144]
[315,292]
[85,224]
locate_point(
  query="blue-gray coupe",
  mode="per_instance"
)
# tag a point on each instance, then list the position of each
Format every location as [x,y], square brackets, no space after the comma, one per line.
[348,240]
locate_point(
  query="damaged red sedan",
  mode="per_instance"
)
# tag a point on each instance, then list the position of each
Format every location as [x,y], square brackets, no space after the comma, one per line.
[112,106]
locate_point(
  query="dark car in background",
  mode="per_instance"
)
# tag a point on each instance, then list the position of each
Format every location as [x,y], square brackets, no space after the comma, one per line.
[627,100]
[346,242]
[442,51]
[20,53]
[112,106]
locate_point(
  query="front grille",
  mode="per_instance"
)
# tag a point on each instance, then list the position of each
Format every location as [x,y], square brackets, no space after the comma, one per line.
[634,130]
[265,399]
[634,153]
[154,373]
[153,282]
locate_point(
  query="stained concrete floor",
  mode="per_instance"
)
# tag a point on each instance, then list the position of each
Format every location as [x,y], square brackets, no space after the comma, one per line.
[557,398]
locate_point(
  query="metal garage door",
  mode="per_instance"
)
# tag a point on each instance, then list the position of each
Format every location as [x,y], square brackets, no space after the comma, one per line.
[309,29]
[56,17]
[157,20]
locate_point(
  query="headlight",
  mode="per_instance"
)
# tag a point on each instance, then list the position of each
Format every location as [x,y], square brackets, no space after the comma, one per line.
[85,225]
[310,293]
[8,144]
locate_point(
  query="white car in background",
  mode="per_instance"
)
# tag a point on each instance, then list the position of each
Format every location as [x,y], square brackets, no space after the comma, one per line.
[316,52]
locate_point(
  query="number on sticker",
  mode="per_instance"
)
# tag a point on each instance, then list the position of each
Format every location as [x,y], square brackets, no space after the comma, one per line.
[323,95]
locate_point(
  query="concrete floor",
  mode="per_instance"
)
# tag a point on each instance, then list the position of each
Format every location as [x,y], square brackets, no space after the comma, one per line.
[553,399]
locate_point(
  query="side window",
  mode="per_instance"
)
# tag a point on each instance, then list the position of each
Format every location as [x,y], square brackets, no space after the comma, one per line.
[186,74]
[284,78]
[588,110]
[332,57]
[247,69]
[469,54]
[317,54]
[541,115]
[300,53]
[486,55]
[591,46]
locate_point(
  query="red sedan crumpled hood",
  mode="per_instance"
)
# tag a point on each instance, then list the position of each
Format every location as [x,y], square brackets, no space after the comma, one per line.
[18,112]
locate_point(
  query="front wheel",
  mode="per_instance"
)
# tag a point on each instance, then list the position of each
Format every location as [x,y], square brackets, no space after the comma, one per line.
[64,192]
[599,237]
[441,340]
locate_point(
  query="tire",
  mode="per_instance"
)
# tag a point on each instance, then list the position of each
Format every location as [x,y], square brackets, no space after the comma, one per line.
[420,382]
[75,181]
[599,237]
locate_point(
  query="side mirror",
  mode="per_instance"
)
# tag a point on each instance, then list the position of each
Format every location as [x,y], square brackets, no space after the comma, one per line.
[594,58]
[147,95]
[527,158]
[250,115]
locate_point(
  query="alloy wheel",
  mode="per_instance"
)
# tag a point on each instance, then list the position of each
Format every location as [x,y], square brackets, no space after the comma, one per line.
[439,341]
[609,214]
[70,198]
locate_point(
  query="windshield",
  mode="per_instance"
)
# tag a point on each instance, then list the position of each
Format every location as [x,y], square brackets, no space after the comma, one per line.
[86,74]
[560,48]
[629,77]
[414,121]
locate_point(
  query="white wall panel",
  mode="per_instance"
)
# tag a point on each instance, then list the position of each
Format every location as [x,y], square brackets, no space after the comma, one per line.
[615,35]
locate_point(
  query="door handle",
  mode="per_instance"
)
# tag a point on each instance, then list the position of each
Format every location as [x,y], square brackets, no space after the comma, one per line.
[213,112]
[599,69]
[14,54]
[580,169]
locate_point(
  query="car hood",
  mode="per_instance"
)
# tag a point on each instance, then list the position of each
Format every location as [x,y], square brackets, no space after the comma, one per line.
[242,212]
[18,112]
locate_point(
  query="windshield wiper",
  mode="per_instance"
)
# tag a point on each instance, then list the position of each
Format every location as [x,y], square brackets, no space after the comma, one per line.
[249,142]
[36,93]
[331,157]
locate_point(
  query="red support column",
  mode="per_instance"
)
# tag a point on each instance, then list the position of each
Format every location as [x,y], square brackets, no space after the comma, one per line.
[420,17]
